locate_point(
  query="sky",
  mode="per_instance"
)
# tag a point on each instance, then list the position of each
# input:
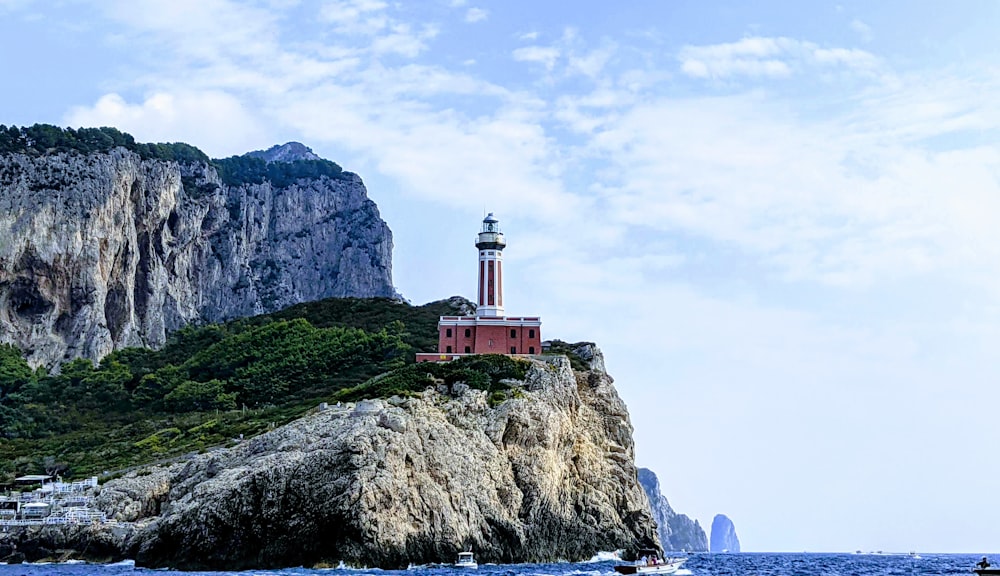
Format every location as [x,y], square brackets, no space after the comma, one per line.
[780,220]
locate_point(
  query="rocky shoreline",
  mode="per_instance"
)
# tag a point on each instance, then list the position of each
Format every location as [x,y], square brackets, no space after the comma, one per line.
[546,475]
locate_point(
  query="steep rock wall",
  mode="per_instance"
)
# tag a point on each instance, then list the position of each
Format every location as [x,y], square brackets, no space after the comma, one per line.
[677,532]
[546,475]
[103,251]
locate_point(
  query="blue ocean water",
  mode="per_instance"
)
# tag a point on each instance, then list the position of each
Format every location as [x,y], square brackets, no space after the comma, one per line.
[697,565]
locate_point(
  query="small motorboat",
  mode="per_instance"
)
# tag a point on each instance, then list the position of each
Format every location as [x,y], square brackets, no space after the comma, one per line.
[983,568]
[649,562]
[466,560]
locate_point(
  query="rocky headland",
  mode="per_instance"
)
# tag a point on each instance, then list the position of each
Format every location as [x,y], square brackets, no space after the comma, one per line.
[548,474]
[107,244]
[108,249]
[724,535]
[678,532]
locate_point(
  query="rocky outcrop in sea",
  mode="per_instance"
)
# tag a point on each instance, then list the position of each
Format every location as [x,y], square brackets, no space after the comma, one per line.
[678,533]
[724,535]
[101,251]
[546,475]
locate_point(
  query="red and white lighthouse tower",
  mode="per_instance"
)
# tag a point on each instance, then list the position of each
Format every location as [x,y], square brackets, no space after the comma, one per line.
[491,244]
[489,331]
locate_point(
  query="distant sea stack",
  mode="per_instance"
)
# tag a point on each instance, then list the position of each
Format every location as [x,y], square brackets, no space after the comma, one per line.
[724,535]
[106,243]
[546,475]
[677,532]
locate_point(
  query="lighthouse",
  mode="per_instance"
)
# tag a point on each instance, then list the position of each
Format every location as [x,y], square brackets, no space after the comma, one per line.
[489,330]
[491,244]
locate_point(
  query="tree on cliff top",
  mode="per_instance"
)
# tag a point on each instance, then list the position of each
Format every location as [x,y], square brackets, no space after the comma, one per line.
[42,139]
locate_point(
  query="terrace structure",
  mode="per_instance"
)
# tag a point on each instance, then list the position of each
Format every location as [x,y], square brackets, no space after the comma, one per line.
[489,331]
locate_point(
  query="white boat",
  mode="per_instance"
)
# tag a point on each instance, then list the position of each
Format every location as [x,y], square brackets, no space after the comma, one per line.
[650,563]
[466,560]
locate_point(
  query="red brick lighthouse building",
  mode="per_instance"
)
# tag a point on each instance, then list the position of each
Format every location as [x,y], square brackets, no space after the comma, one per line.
[489,331]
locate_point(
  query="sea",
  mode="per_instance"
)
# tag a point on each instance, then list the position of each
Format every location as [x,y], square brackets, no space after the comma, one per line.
[698,564]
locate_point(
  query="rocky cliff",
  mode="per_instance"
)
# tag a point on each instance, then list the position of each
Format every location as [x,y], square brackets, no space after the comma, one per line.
[724,535]
[677,532]
[546,475]
[105,250]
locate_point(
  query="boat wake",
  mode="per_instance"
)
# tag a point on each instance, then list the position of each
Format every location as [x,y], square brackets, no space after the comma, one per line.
[614,556]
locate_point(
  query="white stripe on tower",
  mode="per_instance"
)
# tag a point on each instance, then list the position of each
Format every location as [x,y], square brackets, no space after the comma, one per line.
[491,243]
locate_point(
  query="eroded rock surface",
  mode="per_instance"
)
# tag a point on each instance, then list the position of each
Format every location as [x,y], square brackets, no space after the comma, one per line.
[546,475]
[103,251]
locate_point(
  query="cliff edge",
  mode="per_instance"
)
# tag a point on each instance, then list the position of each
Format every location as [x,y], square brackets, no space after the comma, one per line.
[107,249]
[678,533]
[545,475]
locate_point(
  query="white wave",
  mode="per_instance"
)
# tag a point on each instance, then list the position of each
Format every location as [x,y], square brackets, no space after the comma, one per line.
[579,573]
[614,556]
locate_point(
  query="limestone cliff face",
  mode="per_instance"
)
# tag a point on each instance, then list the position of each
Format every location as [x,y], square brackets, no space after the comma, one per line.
[677,532]
[103,251]
[724,535]
[546,475]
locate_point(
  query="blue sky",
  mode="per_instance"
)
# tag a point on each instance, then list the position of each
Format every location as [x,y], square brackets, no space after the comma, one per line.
[780,220]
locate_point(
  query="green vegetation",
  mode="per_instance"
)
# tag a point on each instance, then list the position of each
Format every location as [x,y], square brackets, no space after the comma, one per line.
[238,170]
[213,383]
[46,139]
[566,349]
[43,139]
[488,372]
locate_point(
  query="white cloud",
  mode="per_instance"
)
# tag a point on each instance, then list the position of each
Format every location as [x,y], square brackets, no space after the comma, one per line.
[200,29]
[593,63]
[528,36]
[851,58]
[214,121]
[442,155]
[849,200]
[767,58]
[403,41]
[544,55]
[863,30]
[741,172]
[355,16]
[12,5]
[476,15]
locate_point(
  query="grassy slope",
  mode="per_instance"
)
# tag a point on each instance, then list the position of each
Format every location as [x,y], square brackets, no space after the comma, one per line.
[328,350]
[83,440]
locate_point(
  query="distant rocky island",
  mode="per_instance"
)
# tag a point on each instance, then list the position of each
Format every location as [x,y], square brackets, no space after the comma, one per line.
[724,535]
[677,532]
